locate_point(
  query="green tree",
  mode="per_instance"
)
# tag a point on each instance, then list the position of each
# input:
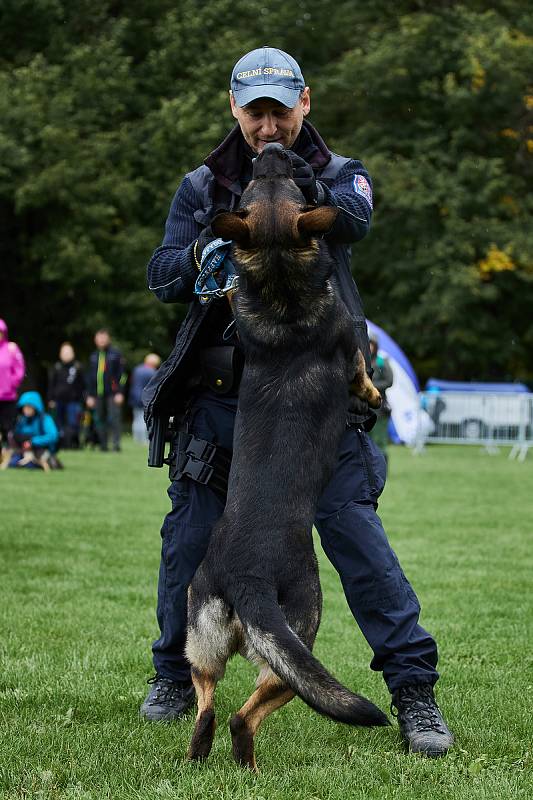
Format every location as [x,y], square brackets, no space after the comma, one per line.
[439,102]
[105,106]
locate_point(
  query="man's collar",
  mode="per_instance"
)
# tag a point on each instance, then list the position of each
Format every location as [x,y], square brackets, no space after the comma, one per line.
[225,161]
[228,162]
[310,146]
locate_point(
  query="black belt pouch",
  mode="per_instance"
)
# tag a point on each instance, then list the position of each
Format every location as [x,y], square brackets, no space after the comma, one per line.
[221,368]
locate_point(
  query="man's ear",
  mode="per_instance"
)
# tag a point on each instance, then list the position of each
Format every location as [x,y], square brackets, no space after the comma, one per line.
[233,105]
[231,225]
[318,221]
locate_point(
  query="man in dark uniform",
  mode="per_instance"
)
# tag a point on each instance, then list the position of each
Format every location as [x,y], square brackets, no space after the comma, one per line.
[269,100]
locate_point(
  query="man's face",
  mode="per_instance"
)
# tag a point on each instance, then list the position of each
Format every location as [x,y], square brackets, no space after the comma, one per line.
[102,340]
[265,120]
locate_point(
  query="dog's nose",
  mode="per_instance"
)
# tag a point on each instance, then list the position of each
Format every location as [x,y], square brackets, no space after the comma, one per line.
[272,147]
[272,162]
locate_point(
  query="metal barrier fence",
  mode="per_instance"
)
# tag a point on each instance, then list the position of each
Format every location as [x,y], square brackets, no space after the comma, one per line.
[477,418]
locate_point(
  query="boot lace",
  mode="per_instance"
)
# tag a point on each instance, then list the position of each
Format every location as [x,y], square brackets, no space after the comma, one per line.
[166,690]
[417,705]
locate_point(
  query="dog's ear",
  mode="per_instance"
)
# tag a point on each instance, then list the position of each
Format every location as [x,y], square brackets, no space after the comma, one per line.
[231,225]
[317,221]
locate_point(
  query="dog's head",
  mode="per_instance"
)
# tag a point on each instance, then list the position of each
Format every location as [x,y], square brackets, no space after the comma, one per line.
[273,216]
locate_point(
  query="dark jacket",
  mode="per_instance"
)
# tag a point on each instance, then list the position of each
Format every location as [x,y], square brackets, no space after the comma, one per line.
[219,184]
[106,374]
[67,382]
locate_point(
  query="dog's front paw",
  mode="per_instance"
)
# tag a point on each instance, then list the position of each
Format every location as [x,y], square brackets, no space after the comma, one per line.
[374,398]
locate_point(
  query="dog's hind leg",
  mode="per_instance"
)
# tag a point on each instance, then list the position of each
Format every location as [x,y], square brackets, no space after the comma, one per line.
[204,729]
[212,637]
[270,695]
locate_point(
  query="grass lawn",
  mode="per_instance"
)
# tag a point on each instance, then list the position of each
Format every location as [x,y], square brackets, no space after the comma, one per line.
[79,553]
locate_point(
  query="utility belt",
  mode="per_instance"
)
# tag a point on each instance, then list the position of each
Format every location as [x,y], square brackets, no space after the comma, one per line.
[194,458]
[220,370]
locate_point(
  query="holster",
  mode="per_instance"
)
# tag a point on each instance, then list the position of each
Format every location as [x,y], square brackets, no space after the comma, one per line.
[221,368]
[157,439]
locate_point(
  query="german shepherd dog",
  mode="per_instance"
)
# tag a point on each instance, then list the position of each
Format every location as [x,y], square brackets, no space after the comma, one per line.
[257,591]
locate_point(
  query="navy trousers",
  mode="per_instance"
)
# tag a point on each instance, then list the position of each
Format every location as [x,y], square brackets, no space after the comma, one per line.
[378,593]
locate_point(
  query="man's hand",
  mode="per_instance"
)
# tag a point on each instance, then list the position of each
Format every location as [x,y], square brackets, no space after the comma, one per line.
[90,402]
[118,398]
[26,445]
[304,178]
[206,236]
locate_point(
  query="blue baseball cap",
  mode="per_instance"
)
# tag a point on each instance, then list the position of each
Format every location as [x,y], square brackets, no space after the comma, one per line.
[267,72]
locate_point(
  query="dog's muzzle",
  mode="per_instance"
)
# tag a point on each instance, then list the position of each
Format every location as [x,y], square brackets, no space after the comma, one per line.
[272,162]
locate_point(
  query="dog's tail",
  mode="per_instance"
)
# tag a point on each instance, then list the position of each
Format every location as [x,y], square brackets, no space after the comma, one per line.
[290,659]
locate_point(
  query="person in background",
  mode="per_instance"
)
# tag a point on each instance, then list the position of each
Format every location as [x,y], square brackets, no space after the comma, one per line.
[139,378]
[65,395]
[382,380]
[434,404]
[105,382]
[11,374]
[35,437]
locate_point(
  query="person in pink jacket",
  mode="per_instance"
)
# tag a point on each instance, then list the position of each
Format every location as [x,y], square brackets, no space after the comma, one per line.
[11,375]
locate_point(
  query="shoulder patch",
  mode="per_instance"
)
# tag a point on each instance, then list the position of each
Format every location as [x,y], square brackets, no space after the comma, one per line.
[361,186]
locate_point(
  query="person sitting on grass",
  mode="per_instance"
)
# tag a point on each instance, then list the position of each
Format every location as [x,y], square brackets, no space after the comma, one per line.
[33,441]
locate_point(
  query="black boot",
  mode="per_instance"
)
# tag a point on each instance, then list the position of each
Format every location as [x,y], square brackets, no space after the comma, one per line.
[167,700]
[421,722]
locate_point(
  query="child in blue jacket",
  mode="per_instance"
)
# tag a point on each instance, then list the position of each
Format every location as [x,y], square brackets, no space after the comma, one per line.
[35,435]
